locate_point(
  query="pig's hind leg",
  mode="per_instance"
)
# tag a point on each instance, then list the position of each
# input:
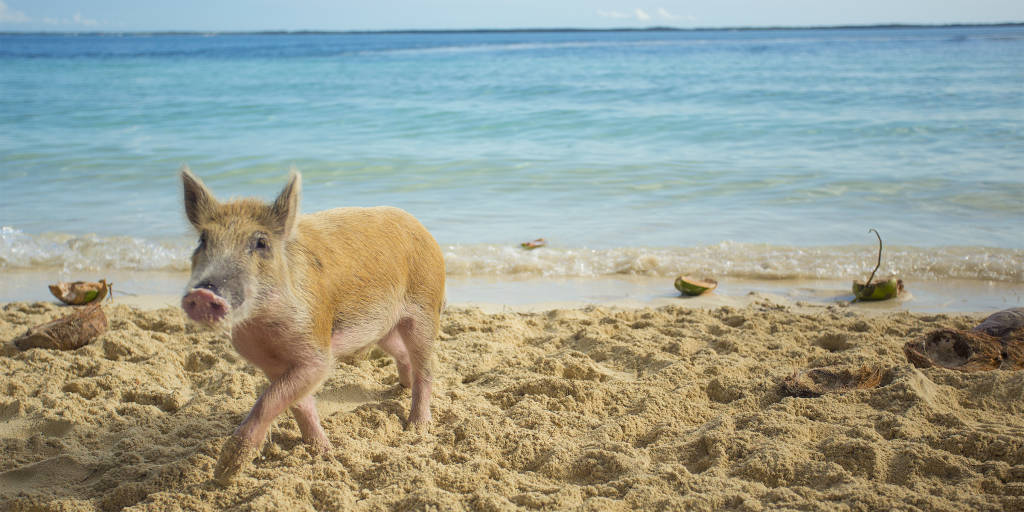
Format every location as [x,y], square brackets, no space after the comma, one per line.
[308,420]
[392,344]
[417,334]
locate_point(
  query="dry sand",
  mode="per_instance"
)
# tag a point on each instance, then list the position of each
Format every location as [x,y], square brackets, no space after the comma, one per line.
[596,409]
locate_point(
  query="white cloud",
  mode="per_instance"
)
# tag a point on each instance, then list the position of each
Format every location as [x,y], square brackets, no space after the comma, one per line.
[78,19]
[8,15]
[642,15]
[614,15]
[637,14]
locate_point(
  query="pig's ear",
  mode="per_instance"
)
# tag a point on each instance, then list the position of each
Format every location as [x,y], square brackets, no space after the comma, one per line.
[285,209]
[199,202]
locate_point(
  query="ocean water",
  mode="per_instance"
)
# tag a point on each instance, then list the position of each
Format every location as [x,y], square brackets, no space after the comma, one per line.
[754,154]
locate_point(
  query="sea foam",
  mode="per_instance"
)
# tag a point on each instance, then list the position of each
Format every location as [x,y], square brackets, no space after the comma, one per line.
[20,250]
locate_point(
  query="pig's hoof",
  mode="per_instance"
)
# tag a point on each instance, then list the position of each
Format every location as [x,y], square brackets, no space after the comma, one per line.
[320,446]
[234,456]
[418,424]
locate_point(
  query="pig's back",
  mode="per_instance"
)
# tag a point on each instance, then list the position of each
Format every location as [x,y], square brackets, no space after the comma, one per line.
[359,262]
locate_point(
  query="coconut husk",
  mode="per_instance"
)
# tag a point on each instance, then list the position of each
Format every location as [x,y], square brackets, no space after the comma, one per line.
[80,292]
[68,332]
[1013,351]
[996,343]
[966,351]
[818,381]
[1002,323]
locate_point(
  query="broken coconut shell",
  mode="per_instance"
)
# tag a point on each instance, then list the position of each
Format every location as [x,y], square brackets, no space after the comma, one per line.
[533,244]
[878,289]
[818,381]
[693,287]
[80,292]
[68,332]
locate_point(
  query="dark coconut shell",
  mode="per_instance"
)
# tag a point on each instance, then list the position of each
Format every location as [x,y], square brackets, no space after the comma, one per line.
[818,381]
[68,332]
[1002,323]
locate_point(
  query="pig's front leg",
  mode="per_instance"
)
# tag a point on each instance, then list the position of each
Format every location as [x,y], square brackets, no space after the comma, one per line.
[287,389]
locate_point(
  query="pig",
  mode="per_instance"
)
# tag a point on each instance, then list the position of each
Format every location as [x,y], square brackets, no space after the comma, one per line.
[296,291]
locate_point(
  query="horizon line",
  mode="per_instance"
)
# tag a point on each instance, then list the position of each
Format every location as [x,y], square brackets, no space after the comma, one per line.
[518,30]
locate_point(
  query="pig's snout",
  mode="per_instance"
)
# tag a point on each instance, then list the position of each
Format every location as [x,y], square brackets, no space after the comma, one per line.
[202,305]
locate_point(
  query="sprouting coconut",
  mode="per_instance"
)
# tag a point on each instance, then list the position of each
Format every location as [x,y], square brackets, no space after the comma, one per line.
[881,289]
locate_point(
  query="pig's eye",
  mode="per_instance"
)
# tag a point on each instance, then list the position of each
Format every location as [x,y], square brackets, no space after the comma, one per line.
[260,243]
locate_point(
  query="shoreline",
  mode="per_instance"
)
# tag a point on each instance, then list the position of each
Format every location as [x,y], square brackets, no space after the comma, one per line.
[154,289]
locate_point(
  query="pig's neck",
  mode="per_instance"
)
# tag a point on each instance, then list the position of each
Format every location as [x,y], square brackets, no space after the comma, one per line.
[272,334]
[277,309]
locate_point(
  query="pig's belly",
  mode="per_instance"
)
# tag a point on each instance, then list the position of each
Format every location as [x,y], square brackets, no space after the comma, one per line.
[349,339]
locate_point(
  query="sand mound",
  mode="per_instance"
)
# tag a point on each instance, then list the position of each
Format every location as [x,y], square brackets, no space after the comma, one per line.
[571,409]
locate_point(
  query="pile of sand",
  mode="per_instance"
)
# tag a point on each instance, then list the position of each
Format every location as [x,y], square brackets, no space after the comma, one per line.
[570,409]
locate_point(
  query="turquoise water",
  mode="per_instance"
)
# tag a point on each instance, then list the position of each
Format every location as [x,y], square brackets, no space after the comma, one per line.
[747,153]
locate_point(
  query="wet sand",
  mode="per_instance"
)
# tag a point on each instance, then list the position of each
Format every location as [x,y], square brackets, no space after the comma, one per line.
[151,289]
[596,409]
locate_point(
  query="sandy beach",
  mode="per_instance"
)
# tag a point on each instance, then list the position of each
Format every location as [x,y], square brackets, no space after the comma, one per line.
[596,408]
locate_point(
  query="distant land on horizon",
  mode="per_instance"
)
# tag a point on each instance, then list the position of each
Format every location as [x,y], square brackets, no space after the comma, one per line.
[519,30]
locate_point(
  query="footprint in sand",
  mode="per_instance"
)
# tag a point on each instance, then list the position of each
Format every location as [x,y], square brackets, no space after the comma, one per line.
[344,399]
[56,473]
[18,427]
[834,341]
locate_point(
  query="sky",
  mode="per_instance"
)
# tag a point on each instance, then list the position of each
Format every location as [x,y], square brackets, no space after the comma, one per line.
[255,15]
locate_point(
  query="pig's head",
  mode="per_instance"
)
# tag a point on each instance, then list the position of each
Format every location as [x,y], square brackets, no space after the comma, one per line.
[240,259]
